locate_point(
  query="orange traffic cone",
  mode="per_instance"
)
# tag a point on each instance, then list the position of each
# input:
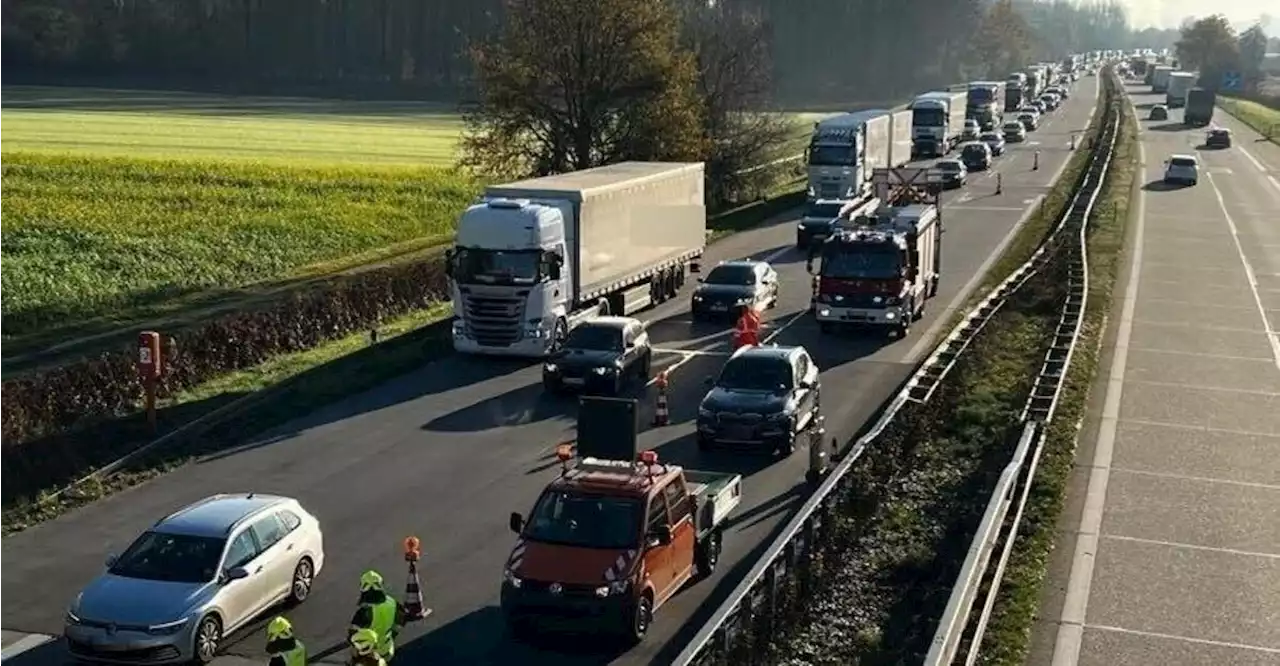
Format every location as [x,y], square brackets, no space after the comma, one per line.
[661,416]
[413,606]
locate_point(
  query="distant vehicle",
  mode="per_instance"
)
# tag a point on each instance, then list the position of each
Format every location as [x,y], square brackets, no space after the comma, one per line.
[937,119]
[194,577]
[976,156]
[1060,91]
[1040,106]
[1179,84]
[817,221]
[601,355]
[994,141]
[763,399]
[1015,132]
[1030,121]
[1050,101]
[1218,137]
[734,286]
[1182,169]
[1159,112]
[615,536]
[953,172]
[971,130]
[1200,103]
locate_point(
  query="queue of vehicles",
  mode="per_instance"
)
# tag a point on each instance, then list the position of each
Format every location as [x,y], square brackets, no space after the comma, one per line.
[552,268]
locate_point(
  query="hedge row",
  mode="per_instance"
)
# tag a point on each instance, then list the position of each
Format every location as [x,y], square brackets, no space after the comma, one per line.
[86,393]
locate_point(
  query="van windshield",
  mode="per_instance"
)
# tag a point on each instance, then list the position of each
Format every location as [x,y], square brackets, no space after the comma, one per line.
[586,521]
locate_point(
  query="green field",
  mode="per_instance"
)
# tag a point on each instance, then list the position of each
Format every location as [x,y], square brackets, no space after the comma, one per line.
[122,205]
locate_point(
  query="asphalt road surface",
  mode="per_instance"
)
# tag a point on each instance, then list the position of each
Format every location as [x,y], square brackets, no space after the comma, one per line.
[446,452]
[1170,547]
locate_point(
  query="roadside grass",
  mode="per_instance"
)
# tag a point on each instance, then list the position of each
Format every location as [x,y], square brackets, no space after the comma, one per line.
[86,238]
[1008,636]
[1263,119]
[286,386]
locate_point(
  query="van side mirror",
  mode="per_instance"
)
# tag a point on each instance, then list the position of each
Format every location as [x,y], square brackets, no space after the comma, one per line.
[237,573]
[516,522]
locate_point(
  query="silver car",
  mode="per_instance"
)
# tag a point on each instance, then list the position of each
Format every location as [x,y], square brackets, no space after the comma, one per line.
[1184,169]
[194,577]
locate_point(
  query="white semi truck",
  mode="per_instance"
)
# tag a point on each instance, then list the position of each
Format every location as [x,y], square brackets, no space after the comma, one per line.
[986,103]
[1180,83]
[533,258]
[900,139]
[844,150]
[937,121]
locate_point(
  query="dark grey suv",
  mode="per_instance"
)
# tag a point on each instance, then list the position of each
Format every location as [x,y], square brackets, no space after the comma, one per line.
[763,399]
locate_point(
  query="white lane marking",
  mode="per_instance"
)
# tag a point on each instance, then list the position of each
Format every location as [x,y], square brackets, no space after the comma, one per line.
[991,208]
[1066,648]
[1185,639]
[1205,429]
[1266,173]
[1191,546]
[1202,387]
[793,319]
[1222,357]
[24,644]
[1197,479]
[1248,269]
[772,256]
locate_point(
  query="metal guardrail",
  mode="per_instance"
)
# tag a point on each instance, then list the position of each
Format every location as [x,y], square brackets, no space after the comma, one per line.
[756,595]
[958,633]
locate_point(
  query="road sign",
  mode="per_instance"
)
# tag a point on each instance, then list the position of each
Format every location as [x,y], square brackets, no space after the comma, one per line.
[1232,81]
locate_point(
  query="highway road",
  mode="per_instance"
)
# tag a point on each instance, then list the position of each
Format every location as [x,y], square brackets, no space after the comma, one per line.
[447,451]
[1170,544]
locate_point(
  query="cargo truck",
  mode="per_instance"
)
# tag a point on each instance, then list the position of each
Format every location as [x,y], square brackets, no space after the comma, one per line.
[1160,79]
[986,103]
[937,121]
[899,138]
[615,535]
[1014,92]
[879,269]
[1180,83]
[1037,81]
[533,258]
[843,151]
[1200,103]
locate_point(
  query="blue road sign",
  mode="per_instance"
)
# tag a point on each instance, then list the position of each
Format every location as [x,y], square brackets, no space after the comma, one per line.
[1232,81]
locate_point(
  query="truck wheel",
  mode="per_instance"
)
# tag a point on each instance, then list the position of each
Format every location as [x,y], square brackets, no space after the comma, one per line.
[641,618]
[708,555]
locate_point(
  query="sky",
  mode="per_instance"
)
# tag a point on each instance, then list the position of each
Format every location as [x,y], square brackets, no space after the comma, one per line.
[1170,13]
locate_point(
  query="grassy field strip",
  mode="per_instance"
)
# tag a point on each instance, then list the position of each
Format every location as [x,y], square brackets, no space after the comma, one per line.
[1263,119]
[1008,635]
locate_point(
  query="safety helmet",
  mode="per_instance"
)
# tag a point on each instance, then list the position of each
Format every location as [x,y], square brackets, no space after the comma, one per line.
[279,628]
[370,580]
[364,641]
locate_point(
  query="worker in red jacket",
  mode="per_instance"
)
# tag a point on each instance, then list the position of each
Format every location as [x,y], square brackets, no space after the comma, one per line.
[747,330]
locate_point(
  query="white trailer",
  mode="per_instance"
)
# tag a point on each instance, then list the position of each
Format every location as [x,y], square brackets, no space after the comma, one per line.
[1180,83]
[1160,78]
[535,257]
[937,121]
[900,138]
[843,152]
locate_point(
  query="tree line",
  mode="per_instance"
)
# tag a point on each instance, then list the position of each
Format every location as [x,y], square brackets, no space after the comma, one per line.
[831,53]
[1211,46]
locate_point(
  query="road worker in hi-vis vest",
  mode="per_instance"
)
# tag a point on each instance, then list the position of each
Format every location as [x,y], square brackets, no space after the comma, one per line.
[364,648]
[378,611]
[747,330]
[284,648]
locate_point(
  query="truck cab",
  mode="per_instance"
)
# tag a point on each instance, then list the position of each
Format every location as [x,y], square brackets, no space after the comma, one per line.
[615,535]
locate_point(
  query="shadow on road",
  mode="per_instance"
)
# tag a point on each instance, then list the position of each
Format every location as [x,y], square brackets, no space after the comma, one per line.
[481,637]
[1168,127]
[1161,186]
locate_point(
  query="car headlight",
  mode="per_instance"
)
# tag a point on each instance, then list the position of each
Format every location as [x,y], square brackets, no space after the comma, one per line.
[824,312]
[72,618]
[616,587]
[511,579]
[167,628]
[551,368]
[697,298]
[743,301]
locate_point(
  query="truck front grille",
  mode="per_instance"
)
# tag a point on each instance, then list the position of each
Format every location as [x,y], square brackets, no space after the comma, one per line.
[493,321]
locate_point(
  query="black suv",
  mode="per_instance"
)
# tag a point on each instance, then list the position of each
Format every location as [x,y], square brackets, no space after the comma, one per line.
[763,399]
[1218,137]
[976,156]
[733,286]
[600,355]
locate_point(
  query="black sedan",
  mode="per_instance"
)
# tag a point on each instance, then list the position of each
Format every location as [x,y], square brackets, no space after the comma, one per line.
[601,355]
[953,172]
[1218,137]
[733,286]
[764,398]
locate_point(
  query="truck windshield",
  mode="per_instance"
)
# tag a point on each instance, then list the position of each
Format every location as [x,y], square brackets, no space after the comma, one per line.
[928,117]
[586,521]
[497,266]
[756,374]
[826,211]
[870,263]
[595,338]
[831,154]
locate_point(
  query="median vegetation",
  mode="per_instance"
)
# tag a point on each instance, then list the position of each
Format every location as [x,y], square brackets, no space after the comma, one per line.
[886,562]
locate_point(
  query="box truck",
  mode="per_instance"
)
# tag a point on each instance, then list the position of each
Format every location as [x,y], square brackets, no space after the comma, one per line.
[900,138]
[1160,79]
[1176,92]
[533,258]
[843,151]
[986,103]
[937,120]
[1199,111]
[1015,92]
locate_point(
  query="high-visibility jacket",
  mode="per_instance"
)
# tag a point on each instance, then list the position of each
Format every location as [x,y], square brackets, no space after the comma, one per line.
[380,612]
[287,652]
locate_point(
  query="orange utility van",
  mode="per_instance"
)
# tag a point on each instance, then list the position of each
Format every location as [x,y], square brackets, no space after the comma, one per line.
[614,536]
